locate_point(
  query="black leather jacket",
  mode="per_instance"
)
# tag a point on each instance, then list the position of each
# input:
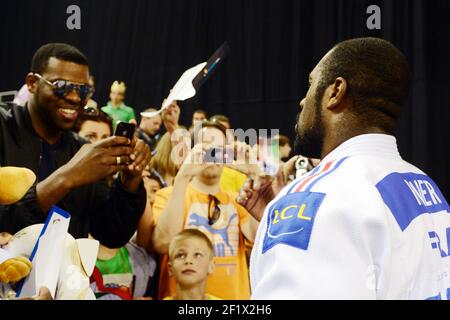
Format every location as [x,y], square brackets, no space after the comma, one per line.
[111,215]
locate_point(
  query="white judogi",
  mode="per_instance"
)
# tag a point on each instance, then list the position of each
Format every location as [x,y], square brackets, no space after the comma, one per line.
[363,225]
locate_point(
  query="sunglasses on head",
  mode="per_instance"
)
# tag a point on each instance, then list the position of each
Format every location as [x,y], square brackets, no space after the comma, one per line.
[62,88]
[214,214]
[91,111]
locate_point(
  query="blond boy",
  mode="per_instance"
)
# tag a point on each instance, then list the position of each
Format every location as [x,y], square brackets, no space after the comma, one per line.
[190,262]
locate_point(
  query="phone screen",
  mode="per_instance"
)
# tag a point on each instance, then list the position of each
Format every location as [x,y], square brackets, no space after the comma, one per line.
[218,155]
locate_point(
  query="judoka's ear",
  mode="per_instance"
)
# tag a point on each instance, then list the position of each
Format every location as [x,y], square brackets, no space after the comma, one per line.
[336,92]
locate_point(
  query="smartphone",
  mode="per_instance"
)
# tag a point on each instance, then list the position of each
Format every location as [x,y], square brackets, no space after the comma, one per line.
[125,129]
[218,155]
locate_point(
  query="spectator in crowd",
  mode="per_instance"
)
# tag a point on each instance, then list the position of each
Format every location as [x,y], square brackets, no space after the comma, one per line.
[223,120]
[160,144]
[196,200]
[162,161]
[93,124]
[120,273]
[70,173]
[284,147]
[231,179]
[171,117]
[116,107]
[199,115]
[190,263]
[149,129]
[92,103]
[152,183]
[21,97]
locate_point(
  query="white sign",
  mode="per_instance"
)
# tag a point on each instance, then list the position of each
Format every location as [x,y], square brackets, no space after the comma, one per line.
[47,255]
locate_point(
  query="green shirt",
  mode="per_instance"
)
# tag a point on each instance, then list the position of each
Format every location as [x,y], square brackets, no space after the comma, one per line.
[122,113]
[117,272]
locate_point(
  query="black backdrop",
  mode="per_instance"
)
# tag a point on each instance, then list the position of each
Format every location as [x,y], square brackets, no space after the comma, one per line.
[274,45]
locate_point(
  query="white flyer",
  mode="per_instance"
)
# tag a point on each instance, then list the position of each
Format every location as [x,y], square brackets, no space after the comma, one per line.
[182,90]
[47,255]
[4,255]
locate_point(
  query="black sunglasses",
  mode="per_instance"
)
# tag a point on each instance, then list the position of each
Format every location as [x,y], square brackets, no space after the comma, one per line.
[62,88]
[212,218]
[91,111]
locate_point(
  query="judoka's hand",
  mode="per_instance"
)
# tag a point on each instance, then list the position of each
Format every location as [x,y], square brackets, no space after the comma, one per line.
[256,193]
[289,169]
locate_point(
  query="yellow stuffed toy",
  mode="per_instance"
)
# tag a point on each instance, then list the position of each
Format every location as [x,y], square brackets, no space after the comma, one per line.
[14,183]
[14,269]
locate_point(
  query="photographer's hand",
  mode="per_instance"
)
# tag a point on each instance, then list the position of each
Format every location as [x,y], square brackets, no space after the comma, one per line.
[194,163]
[256,193]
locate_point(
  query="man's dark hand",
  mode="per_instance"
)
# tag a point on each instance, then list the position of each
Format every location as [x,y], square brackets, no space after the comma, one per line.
[96,161]
[140,158]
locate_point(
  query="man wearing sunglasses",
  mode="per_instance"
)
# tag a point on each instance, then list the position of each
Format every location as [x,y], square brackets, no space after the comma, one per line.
[196,200]
[70,172]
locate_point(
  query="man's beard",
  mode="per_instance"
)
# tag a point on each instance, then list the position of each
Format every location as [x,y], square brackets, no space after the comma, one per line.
[44,113]
[309,141]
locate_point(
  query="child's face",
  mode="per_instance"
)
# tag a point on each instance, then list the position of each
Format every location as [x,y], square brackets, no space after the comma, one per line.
[191,262]
[151,186]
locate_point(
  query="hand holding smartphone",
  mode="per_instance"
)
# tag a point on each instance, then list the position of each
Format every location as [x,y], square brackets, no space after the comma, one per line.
[125,129]
[218,155]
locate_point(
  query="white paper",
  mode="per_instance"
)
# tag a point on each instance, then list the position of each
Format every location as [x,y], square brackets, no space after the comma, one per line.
[182,90]
[4,255]
[23,242]
[47,259]
[88,250]
[78,262]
